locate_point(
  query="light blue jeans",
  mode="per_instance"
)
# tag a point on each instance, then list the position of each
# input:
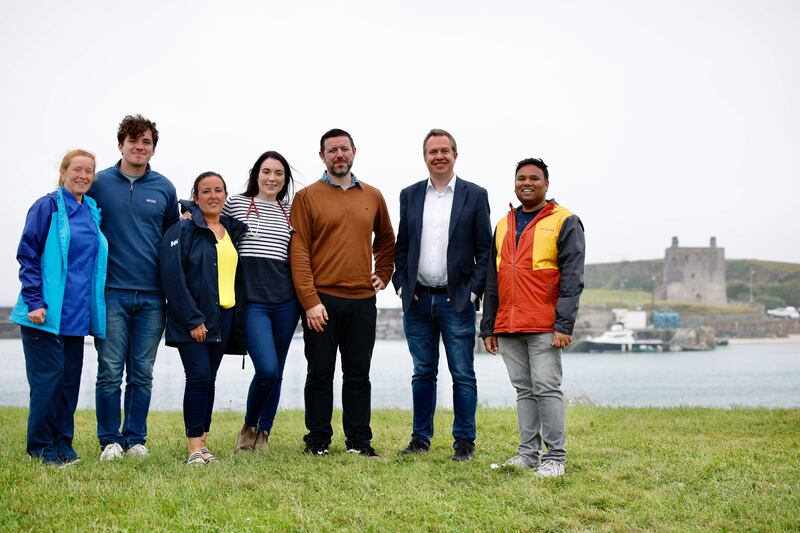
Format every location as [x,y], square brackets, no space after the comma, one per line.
[134,325]
[534,367]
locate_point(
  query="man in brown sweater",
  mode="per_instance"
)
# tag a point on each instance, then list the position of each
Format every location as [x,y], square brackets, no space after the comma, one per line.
[331,255]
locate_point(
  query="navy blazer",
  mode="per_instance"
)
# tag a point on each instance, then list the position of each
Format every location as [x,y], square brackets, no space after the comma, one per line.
[468,245]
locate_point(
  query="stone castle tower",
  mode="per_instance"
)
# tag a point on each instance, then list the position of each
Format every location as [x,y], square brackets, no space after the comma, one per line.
[695,275]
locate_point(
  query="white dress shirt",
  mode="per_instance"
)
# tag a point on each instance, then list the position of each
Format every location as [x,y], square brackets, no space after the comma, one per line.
[432,268]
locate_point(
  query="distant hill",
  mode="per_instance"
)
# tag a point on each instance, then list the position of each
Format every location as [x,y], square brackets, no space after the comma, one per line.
[775,284]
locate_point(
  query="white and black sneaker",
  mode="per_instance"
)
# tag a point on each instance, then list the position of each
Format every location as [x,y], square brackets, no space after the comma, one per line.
[366,451]
[316,449]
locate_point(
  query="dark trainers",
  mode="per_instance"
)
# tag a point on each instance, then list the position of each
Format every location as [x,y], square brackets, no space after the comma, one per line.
[68,456]
[463,450]
[316,449]
[415,447]
[366,451]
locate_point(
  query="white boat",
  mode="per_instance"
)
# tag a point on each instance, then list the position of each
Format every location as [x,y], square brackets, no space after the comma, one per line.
[619,339]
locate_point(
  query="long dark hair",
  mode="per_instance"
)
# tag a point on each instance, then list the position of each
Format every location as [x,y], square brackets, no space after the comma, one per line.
[252,182]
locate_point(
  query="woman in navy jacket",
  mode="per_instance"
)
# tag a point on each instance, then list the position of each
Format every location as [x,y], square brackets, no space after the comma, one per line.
[202,280]
[62,256]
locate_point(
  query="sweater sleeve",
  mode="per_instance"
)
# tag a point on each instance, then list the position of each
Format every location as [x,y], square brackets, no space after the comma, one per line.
[299,253]
[383,243]
[490,298]
[571,255]
[172,214]
[30,250]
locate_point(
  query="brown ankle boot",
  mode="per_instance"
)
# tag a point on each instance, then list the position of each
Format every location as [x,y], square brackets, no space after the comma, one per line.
[262,438]
[245,439]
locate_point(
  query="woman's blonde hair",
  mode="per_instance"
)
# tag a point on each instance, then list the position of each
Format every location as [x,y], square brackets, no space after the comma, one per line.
[68,159]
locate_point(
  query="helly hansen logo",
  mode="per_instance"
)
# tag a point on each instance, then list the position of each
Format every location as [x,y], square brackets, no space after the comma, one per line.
[173,243]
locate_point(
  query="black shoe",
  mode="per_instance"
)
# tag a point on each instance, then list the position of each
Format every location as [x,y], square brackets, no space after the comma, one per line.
[366,451]
[463,450]
[415,447]
[316,449]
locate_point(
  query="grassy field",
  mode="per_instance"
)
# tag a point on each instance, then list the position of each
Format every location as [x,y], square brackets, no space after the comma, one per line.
[628,470]
[632,298]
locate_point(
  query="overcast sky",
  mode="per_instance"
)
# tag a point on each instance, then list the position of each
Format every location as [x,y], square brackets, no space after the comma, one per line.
[656,118]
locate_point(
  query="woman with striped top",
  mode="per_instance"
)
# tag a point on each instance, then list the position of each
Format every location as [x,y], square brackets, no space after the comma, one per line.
[272,307]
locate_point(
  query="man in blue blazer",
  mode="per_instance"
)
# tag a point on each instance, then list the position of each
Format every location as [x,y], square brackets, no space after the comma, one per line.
[441,257]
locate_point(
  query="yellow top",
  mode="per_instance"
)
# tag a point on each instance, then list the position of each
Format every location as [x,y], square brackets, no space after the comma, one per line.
[227,259]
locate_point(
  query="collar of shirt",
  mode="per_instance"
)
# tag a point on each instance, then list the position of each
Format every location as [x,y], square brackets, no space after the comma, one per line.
[70,202]
[450,185]
[327,179]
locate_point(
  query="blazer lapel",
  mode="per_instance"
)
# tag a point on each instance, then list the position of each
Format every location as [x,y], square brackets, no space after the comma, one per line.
[418,203]
[459,198]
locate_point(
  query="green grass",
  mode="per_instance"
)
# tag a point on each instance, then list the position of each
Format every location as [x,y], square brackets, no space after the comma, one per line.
[616,298]
[628,470]
[774,266]
[633,298]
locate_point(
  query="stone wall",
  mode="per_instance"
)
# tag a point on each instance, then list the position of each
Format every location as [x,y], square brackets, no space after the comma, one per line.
[592,320]
[752,325]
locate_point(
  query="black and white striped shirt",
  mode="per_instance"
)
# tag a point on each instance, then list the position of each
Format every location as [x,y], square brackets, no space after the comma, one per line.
[264,249]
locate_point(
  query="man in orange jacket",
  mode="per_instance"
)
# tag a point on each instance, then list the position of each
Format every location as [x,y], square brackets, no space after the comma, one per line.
[533,285]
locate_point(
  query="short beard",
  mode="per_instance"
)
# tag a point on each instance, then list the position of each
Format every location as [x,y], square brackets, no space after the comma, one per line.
[342,173]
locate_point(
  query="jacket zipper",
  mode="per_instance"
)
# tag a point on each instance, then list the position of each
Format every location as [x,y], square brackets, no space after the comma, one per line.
[513,266]
[514,254]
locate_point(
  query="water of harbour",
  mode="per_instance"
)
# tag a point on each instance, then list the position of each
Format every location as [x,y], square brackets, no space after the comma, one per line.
[752,375]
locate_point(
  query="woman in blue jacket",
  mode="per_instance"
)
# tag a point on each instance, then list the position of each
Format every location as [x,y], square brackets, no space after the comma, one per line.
[201,277]
[62,256]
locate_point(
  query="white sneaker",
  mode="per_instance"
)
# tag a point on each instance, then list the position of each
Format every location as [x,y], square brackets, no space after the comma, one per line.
[111,452]
[518,461]
[137,450]
[550,469]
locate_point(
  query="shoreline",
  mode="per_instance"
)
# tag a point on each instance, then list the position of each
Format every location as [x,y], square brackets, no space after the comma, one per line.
[793,338]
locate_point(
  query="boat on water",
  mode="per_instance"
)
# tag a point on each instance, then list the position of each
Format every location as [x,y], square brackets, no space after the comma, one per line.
[619,339]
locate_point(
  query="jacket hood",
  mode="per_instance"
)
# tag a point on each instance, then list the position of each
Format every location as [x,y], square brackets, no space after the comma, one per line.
[235,227]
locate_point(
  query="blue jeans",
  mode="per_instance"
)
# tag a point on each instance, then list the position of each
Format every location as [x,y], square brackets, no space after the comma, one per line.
[201,361]
[270,328]
[53,364]
[428,319]
[134,324]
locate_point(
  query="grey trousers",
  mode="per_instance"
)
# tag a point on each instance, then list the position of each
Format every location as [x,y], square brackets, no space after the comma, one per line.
[534,367]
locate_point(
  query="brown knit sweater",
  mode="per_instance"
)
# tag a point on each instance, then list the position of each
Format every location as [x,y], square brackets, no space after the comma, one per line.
[333,248]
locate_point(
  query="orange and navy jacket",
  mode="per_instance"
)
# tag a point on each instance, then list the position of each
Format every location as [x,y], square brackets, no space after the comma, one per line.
[533,286]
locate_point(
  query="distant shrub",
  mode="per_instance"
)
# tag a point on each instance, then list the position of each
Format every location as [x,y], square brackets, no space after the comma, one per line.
[738,291]
[770,302]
